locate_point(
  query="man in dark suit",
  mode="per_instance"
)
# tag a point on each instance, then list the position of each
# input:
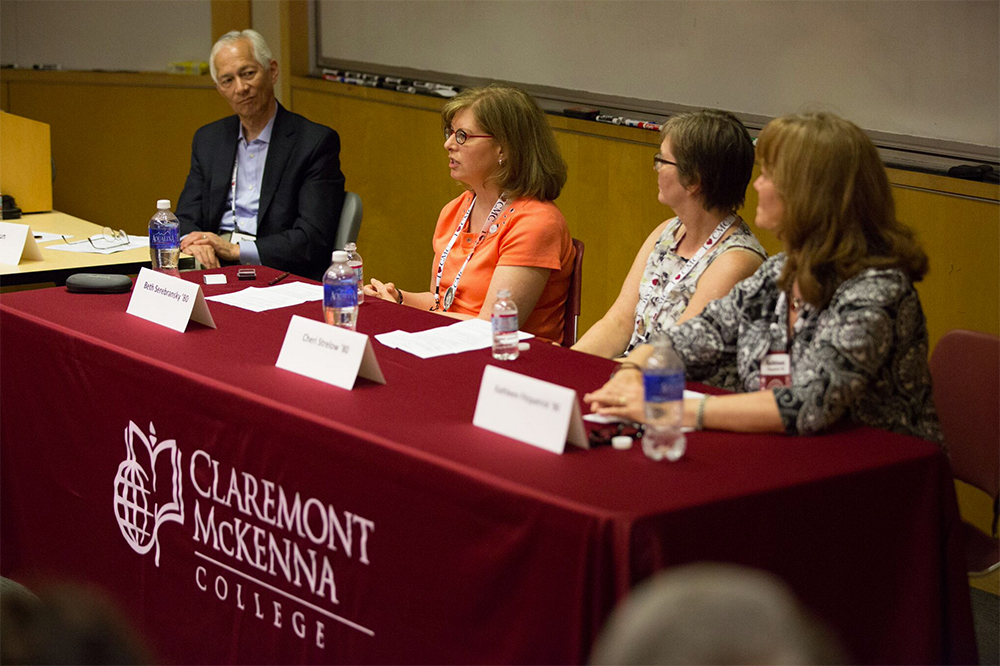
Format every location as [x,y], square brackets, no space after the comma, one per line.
[265,185]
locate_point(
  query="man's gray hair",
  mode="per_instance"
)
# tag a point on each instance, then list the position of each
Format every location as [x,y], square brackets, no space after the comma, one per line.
[710,613]
[261,52]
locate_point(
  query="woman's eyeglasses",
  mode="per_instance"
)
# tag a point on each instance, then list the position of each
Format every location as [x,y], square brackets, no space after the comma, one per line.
[461,136]
[659,161]
[108,239]
[604,434]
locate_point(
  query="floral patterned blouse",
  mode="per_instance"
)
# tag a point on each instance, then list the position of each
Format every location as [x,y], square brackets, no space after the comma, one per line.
[863,358]
[657,308]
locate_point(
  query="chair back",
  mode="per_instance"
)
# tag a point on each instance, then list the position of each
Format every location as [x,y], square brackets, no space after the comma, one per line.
[965,369]
[572,316]
[350,221]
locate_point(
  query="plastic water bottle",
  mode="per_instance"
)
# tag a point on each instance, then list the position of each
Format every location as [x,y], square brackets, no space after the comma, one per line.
[663,379]
[354,259]
[340,293]
[504,319]
[164,239]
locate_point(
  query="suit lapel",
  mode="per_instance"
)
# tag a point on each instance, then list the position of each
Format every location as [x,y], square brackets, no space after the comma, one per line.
[282,142]
[222,171]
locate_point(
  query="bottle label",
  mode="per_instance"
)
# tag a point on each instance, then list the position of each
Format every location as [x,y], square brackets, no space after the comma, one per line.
[504,323]
[164,238]
[664,388]
[359,271]
[340,295]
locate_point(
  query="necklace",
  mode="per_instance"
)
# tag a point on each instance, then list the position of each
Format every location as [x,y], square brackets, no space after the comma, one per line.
[797,304]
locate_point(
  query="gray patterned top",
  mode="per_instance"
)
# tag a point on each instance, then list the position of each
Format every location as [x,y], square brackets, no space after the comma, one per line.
[657,310]
[863,358]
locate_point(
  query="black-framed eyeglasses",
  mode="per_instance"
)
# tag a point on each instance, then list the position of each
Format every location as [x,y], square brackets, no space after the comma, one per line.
[604,434]
[659,160]
[108,239]
[461,136]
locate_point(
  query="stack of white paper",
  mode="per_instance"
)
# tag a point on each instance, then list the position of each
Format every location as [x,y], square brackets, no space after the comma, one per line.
[259,299]
[467,335]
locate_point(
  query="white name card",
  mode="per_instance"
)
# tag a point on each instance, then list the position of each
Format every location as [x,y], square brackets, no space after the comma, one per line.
[16,243]
[330,354]
[168,301]
[530,410]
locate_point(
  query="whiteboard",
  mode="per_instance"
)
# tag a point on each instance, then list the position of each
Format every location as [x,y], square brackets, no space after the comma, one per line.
[925,70]
[132,35]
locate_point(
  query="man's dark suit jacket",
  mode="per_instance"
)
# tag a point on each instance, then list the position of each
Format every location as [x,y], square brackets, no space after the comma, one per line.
[300,197]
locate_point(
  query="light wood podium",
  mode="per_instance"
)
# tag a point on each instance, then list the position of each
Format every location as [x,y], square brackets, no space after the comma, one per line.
[26,163]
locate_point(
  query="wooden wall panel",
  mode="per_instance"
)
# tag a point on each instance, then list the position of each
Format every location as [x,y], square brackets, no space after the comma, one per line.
[229,15]
[393,157]
[962,239]
[120,142]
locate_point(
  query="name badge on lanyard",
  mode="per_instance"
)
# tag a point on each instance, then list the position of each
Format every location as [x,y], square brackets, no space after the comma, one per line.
[775,371]
[240,236]
[449,294]
[776,368]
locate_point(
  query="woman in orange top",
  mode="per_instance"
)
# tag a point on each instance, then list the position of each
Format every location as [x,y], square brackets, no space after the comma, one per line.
[504,232]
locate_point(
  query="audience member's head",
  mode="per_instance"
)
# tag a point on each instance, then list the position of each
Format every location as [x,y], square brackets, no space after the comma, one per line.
[531,165]
[714,150]
[713,614]
[838,213]
[64,625]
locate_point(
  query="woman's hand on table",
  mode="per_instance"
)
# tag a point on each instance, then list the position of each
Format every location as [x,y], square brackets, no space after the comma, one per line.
[622,396]
[386,291]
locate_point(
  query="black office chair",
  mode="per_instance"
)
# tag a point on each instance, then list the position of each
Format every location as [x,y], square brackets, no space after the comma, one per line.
[350,221]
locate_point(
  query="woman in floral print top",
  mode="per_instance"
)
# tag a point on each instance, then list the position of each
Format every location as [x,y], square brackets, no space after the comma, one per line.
[838,303]
[703,169]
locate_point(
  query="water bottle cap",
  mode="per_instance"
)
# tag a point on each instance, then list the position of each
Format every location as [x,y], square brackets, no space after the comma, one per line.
[621,442]
[503,293]
[163,204]
[339,256]
[350,247]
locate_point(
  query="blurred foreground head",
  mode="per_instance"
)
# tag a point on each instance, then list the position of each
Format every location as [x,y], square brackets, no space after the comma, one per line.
[64,625]
[714,614]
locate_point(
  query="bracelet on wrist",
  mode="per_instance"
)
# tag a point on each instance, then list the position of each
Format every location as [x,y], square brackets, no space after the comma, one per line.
[399,296]
[625,365]
[699,420]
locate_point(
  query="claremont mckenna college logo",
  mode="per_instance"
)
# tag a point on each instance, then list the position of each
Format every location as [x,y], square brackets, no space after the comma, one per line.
[137,485]
[255,543]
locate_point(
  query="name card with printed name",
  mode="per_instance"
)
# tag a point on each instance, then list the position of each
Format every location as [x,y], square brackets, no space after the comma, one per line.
[16,243]
[330,354]
[529,410]
[168,301]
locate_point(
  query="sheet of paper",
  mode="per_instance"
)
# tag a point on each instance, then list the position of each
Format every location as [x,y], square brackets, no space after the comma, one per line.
[463,336]
[392,339]
[45,237]
[102,245]
[303,291]
[259,299]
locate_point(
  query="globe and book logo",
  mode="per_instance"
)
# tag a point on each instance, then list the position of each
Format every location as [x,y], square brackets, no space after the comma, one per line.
[148,489]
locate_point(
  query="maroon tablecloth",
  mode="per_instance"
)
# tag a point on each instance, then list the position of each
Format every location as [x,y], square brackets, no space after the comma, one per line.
[284,520]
